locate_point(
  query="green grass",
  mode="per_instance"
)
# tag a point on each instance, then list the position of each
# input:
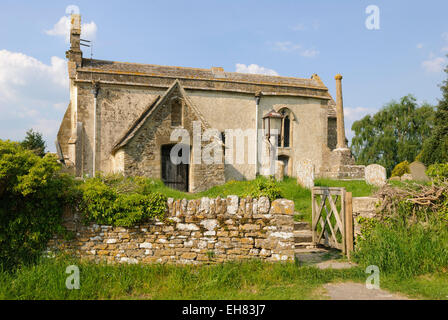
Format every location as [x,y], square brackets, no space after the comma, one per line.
[405,250]
[429,286]
[289,187]
[358,188]
[233,280]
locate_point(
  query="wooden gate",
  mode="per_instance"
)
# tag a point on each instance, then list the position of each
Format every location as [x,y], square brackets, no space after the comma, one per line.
[332,218]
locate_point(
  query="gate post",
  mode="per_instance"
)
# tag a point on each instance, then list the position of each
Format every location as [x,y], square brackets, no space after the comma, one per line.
[348,224]
[313,214]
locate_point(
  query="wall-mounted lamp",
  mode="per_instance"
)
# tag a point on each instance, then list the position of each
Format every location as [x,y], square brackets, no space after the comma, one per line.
[272,123]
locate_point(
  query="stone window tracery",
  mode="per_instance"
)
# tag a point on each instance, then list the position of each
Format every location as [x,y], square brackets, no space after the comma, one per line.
[176,112]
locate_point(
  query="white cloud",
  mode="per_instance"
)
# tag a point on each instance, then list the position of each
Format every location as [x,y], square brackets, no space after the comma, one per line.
[434,64]
[22,76]
[315,25]
[60,106]
[445,36]
[48,128]
[288,46]
[299,27]
[419,45]
[309,53]
[255,69]
[355,113]
[33,94]
[62,29]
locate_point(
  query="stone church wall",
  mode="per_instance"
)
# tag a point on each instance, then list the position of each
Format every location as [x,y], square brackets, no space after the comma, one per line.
[143,152]
[117,109]
[194,231]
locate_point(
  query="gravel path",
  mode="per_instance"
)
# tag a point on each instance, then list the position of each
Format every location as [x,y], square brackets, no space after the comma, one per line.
[358,291]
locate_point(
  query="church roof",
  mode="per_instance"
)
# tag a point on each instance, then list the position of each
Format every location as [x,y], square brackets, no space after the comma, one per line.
[214,73]
[213,79]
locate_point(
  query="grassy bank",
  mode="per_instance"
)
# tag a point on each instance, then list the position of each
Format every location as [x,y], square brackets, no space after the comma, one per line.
[289,189]
[244,280]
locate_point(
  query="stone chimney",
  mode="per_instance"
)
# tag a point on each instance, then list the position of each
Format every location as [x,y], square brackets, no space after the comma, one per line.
[341,144]
[74,55]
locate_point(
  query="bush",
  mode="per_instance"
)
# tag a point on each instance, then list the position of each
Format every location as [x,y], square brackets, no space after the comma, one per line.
[266,187]
[120,201]
[32,197]
[400,169]
[439,170]
[410,237]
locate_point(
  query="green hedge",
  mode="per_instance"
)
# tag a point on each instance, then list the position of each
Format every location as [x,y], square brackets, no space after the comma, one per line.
[119,201]
[266,187]
[439,170]
[32,196]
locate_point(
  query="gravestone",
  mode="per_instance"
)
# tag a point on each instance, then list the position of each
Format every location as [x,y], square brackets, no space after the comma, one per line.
[279,170]
[375,175]
[417,170]
[305,174]
[406,177]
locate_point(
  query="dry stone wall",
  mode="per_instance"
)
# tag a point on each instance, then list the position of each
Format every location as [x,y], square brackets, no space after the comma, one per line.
[365,207]
[193,231]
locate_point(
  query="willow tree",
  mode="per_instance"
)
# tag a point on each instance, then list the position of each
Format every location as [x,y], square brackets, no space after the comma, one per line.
[394,134]
[435,149]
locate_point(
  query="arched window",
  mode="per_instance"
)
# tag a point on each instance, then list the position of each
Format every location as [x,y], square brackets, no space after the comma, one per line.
[176,112]
[286,131]
[285,137]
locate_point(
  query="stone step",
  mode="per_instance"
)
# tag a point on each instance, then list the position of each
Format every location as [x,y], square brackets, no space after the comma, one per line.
[301,226]
[310,250]
[315,255]
[305,245]
[303,236]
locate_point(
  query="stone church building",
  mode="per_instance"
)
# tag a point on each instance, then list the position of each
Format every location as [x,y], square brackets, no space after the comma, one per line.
[121,115]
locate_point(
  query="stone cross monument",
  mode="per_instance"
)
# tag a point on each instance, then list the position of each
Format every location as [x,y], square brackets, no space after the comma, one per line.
[341,144]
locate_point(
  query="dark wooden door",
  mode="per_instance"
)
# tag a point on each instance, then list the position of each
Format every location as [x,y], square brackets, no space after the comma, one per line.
[174,175]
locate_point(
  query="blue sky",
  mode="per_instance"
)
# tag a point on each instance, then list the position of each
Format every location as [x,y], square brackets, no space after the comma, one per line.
[290,38]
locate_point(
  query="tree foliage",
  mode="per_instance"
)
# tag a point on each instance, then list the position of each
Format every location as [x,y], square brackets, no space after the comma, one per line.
[32,195]
[394,134]
[33,141]
[435,149]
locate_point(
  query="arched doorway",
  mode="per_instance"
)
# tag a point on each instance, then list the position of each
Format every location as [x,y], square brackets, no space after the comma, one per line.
[175,175]
[285,160]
